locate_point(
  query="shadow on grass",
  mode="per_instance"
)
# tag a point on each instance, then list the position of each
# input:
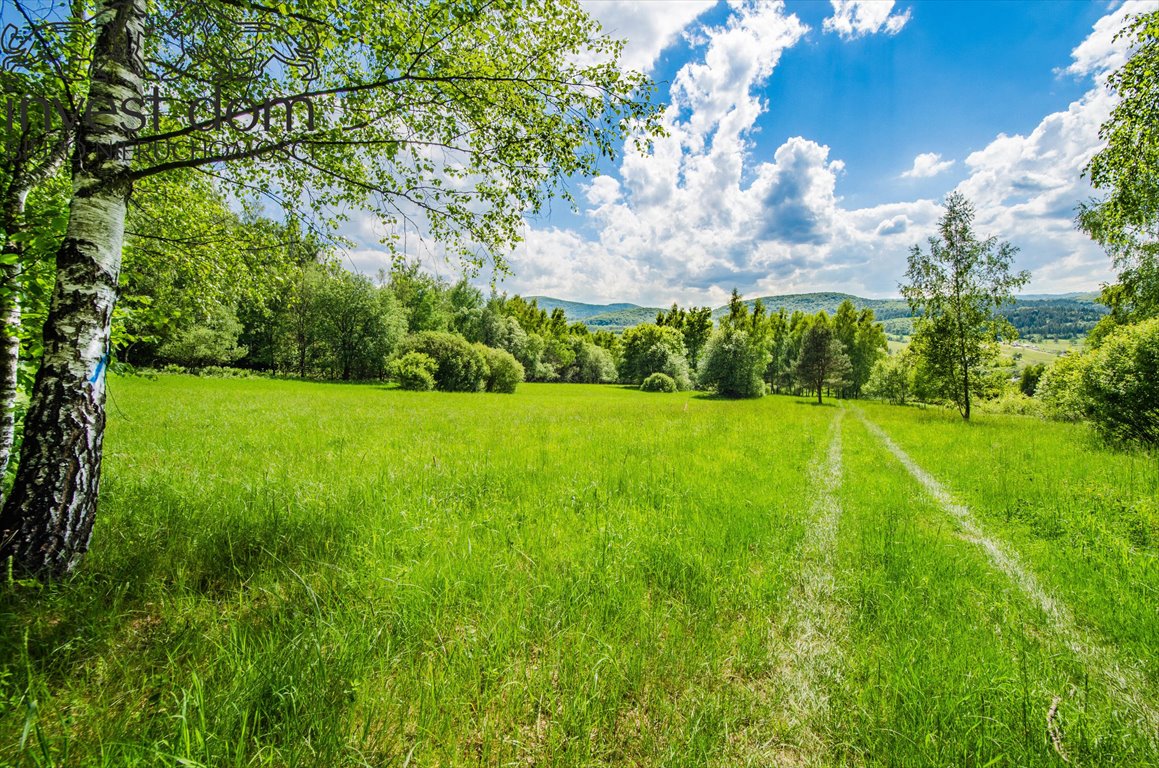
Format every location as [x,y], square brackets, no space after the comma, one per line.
[831,403]
[172,547]
[706,395]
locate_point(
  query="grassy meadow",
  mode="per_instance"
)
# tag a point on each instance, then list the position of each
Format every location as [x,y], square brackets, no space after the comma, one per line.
[301,574]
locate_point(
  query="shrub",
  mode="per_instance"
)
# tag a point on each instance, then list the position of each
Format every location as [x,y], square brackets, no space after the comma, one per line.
[892,379]
[1120,384]
[504,372]
[659,382]
[414,371]
[226,372]
[1028,380]
[733,364]
[459,366]
[213,343]
[652,349]
[1012,402]
[1059,388]
[594,365]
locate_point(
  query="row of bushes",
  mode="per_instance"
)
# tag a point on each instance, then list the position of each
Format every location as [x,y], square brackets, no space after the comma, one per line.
[448,362]
[733,362]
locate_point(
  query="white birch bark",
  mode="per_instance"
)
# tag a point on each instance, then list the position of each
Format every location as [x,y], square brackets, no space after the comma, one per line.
[10,317]
[24,178]
[47,520]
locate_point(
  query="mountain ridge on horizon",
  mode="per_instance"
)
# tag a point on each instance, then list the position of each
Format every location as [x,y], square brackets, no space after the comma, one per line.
[893,312]
[583,309]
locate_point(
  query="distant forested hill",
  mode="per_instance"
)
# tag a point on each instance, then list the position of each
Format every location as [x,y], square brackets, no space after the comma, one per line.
[576,310]
[1063,316]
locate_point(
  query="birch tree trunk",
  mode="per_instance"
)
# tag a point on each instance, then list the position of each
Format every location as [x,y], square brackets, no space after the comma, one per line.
[47,520]
[13,225]
[25,178]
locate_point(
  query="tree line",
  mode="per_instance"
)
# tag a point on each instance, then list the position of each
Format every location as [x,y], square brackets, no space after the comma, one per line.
[458,120]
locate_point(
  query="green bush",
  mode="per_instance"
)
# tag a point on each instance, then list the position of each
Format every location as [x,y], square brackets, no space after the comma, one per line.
[1029,378]
[414,371]
[1120,384]
[733,364]
[892,379]
[659,382]
[459,366]
[504,372]
[1012,402]
[213,343]
[652,349]
[1059,388]
[593,365]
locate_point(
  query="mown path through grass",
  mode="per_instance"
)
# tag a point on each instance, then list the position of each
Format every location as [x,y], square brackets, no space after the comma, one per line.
[815,625]
[1126,683]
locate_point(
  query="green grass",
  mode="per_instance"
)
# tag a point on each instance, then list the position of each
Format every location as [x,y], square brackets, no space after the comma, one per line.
[1085,519]
[295,574]
[950,664]
[1055,346]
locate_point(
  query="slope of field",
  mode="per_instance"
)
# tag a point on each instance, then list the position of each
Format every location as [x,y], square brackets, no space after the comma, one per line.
[286,573]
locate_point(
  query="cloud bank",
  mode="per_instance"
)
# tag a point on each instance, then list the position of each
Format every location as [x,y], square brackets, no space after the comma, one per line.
[702,214]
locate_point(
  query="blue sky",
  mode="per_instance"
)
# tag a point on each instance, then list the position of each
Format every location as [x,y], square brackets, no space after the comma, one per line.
[811,143]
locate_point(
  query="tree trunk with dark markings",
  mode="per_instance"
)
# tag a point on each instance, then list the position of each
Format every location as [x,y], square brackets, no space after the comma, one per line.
[47,520]
[12,224]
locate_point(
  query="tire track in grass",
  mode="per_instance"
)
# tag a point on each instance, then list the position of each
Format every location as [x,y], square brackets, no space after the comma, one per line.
[1125,683]
[811,654]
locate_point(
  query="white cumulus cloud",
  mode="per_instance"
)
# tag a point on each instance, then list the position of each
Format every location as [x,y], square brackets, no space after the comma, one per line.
[701,214]
[926,165]
[1100,52]
[852,19]
[648,28]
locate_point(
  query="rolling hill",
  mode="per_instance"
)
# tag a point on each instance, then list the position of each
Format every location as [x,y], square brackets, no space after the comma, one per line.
[1062,316]
[577,311]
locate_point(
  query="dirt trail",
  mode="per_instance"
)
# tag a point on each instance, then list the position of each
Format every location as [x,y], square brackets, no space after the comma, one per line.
[810,645]
[1125,683]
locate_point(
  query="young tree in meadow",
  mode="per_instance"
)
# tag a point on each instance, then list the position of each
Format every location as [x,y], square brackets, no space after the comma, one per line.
[360,325]
[845,331]
[956,289]
[780,365]
[869,346]
[822,361]
[697,330]
[738,311]
[1126,220]
[593,364]
[464,117]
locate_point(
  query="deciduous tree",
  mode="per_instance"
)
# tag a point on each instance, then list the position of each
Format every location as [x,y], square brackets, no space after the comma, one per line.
[1126,220]
[822,361]
[955,290]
